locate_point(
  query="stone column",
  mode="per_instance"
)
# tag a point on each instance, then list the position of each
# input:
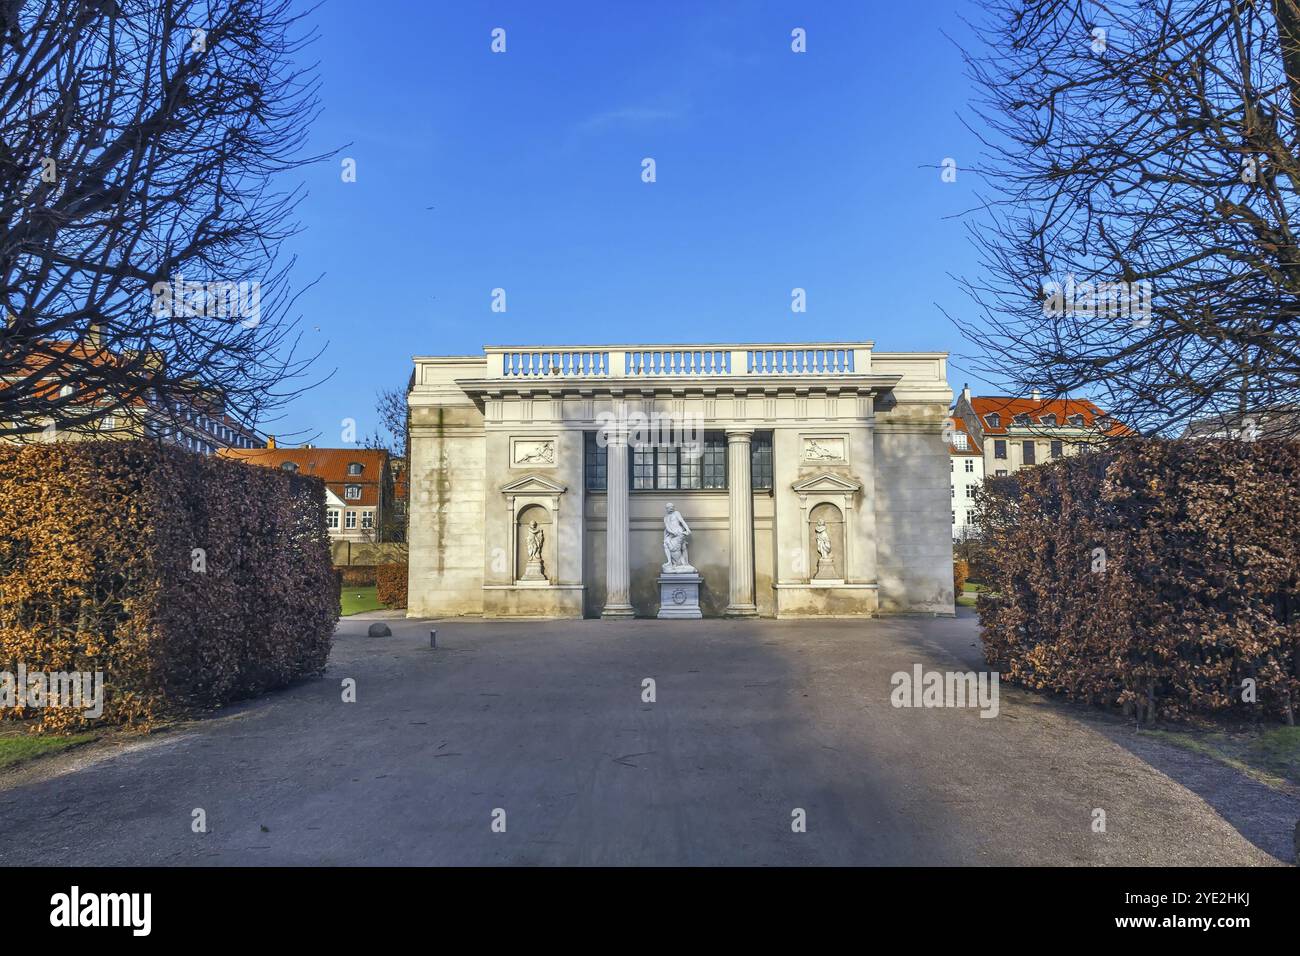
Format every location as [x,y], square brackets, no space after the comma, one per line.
[617,574]
[740,510]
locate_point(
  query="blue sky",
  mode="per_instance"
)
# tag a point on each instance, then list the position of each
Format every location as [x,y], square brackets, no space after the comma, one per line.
[774,170]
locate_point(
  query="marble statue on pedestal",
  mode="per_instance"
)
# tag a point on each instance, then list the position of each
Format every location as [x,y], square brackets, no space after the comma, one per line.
[679,584]
[676,531]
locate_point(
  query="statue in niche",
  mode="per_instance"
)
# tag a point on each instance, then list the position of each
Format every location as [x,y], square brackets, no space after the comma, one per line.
[535,569]
[823,540]
[825,555]
[676,531]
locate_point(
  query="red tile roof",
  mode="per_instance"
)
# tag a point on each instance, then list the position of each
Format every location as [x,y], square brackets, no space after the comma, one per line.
[1008,408]
[329,464]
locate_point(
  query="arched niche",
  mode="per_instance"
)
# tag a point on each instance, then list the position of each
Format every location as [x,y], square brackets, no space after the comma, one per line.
[527,499]
[534,543]
[826,542]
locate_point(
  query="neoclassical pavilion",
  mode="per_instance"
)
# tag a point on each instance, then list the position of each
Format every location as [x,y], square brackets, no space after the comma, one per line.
[814,479]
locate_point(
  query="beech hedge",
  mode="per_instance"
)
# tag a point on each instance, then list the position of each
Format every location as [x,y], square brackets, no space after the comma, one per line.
[390,584]
[187,580]
[1162,576]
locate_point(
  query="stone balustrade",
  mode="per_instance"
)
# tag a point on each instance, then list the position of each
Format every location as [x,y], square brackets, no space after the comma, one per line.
[668,361]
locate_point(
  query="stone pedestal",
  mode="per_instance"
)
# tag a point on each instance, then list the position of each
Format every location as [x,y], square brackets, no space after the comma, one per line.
[534,571]
[826,570]
[679,595]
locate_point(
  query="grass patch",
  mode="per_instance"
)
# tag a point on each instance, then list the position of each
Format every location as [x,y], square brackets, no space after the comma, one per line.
[1271,756]
[17,748]
[356,600]
[968,592]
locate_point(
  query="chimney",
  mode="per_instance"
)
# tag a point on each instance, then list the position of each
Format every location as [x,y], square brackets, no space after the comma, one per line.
[1035,395]
[270,441]
[92,336]
[965,393]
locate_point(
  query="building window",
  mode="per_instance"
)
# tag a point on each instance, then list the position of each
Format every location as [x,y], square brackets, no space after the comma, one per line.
[332,518]
[970,491]
[1000,473]
[595,461]
[108,423]
[970,516]
[954,517]
[959,441]
[688,466]
[993,421]
[1030,457]
[643,468]
[1048,420]
[367,520]
[760,462]
[970,465]
[1076,421]
[352,492]
[1058,449]
[354,468]
[288,466]
[1021,420]
[350,519]
[715,460]
[953,489]
[1000,448]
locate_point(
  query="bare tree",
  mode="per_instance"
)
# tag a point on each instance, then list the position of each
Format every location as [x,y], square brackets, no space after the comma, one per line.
[390,405]
[1139,242]
[141,143]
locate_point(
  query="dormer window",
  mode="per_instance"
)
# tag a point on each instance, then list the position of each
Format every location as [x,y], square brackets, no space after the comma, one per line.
[354,468]
[1022,420]
[1076,421]
[352,492]
[1048,420]
[959,441]
[289,466]
[994,420]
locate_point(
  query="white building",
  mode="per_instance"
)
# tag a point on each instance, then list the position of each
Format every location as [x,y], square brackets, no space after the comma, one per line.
[966,461]
[811,477]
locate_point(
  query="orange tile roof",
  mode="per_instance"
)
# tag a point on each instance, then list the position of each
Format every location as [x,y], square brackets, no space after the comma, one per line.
[328,464]
[1007,408]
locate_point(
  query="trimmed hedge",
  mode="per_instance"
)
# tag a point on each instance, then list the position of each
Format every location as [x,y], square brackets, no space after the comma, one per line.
[358,576]
[390,585]
[1163,576]
[188,580]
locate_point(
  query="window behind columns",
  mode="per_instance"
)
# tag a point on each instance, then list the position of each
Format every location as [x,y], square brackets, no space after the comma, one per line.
[596,460]
[714,460]
[760,461]
[669,467]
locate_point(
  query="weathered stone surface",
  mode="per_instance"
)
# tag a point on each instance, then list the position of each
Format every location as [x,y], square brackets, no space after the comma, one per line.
[379,629]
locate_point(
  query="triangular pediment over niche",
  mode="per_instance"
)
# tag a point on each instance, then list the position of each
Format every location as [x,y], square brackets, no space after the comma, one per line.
[826,481]
[532,484]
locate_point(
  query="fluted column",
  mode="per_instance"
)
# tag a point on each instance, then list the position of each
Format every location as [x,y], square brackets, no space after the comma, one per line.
[617,577]
[740,508]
